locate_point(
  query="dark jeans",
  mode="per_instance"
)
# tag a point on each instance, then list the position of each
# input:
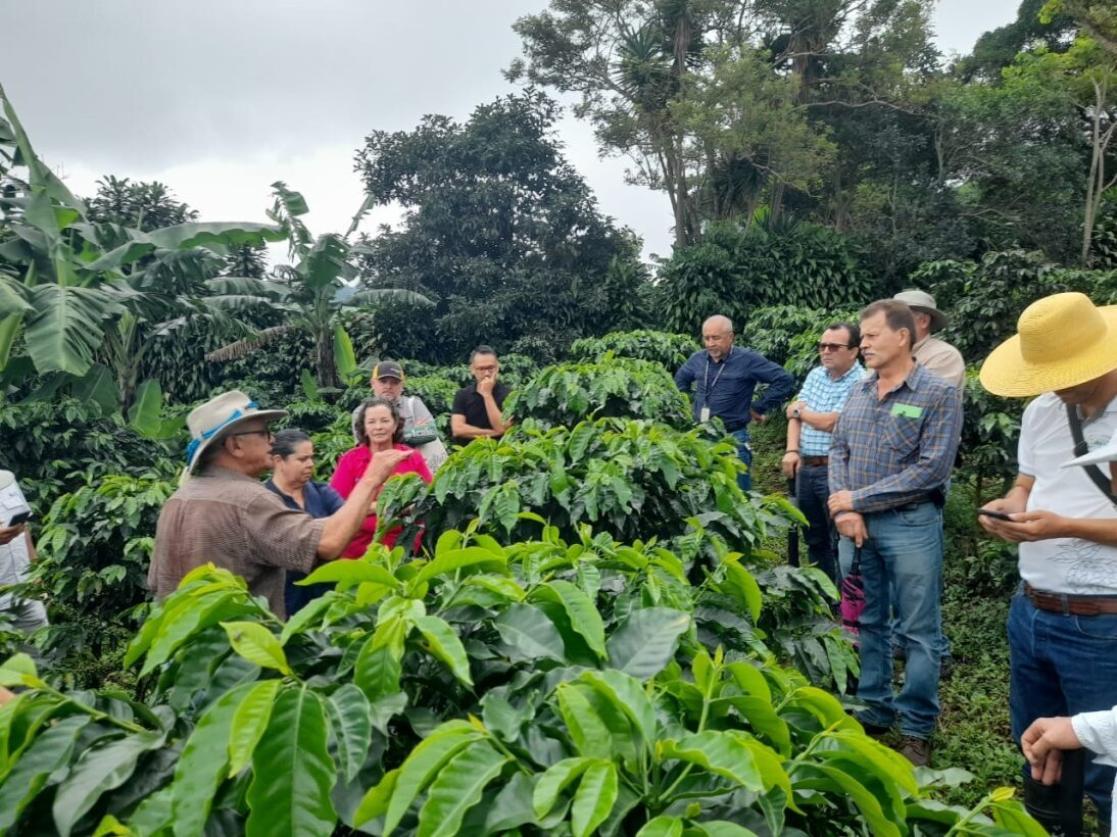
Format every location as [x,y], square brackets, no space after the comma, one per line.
[812,492]
[1063,665]
[901,566]
[744,453]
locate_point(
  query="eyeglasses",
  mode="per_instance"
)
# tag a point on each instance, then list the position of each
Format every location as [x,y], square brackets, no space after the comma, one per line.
[833,347]
[265,433]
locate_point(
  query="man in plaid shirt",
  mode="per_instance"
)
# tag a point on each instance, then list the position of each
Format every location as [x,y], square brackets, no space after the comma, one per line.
[891,456]
[810,421]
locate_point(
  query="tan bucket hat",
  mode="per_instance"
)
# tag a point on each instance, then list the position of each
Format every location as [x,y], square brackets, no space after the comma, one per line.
[1062,340]
[924,302]
[214,420]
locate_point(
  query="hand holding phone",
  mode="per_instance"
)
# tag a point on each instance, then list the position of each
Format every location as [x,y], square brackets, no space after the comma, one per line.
[17,519]
[996,515]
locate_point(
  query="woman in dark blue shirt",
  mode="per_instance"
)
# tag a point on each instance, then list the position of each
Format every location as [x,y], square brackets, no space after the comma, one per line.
[292,472]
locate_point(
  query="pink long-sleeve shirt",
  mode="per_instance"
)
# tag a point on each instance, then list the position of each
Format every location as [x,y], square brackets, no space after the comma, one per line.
[350,468]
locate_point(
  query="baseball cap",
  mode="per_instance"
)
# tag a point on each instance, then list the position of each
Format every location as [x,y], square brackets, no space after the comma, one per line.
[387,369]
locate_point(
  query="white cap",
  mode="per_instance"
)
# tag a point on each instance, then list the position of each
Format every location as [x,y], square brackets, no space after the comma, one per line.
[1106,453]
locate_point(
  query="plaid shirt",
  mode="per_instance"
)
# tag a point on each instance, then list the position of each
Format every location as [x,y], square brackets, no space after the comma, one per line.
[824,394]
[898,449]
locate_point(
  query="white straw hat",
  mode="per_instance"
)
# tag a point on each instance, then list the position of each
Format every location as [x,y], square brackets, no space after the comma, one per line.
[213,420]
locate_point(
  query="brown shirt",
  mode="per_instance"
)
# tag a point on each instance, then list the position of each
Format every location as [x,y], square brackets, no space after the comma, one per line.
[233,521]
[940,358]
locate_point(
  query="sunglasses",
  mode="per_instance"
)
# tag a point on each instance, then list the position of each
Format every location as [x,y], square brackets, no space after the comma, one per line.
[833,347]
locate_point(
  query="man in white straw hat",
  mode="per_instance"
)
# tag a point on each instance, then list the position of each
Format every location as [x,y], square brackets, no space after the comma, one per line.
[223,514]
[1062,626]
[936,356]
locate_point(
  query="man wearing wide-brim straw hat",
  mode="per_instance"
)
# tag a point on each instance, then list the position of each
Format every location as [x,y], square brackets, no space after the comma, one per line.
[1062,626]
[223,514]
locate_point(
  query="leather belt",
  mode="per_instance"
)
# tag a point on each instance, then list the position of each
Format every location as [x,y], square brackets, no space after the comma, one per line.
[1069,604]
[815,461]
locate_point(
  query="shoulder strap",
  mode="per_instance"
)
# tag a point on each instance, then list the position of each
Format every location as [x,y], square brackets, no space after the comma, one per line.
[1081,449]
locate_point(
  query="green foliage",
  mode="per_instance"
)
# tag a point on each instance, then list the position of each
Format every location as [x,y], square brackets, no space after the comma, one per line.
[58,446]
[563,395]
[736,269]
[789,335]
[630,478]
[499,231]
[985,299]
[668,350]
[479,690]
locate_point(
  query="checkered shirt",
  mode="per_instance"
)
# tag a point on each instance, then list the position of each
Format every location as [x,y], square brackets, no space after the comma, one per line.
[898,449]
[823,394]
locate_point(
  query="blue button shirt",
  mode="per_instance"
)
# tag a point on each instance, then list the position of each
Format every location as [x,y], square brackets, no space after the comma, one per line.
[823,394]
[726,386]
[321,500]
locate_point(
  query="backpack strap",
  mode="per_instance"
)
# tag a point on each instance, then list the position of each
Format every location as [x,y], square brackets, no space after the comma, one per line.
[1097,477]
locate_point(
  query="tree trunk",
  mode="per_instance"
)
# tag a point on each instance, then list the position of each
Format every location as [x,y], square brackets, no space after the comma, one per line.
[324,358]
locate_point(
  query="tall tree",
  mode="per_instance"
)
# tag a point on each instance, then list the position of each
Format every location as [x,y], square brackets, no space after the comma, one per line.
[709,97]
[498,229]
[141,205]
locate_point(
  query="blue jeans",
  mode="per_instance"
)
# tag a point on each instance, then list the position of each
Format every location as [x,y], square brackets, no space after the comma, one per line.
[812,492]
[1063,665]
[901,568]
[744,453]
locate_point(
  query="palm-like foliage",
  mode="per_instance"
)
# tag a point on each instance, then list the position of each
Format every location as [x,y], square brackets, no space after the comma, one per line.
[314,289]
[80,296]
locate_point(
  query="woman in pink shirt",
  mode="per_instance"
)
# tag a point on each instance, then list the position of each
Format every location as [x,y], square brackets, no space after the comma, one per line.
[380,429]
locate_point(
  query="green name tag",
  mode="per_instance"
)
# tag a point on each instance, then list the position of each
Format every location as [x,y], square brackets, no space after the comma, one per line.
[908,410]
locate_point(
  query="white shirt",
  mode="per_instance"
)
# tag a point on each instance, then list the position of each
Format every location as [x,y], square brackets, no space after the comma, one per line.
[1098,732]
[1065,565]
[15,561]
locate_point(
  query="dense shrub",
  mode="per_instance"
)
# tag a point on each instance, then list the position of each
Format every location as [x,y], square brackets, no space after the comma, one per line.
[631,479]
[985,299]
[567,393]
[789,336]
[668,350]
[57,446]
[734,270]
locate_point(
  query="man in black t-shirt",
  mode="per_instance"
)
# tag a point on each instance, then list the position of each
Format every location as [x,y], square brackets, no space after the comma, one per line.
[476,410]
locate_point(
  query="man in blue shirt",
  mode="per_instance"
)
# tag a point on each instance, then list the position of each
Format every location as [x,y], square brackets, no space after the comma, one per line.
[723,378]
[810,421]
[890,457]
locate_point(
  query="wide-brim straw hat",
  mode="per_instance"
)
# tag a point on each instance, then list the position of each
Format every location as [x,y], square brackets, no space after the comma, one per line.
[923,301]
[217,418]
[1062,340]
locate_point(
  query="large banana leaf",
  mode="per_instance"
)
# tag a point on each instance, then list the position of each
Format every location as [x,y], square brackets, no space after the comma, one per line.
[214,234]
[65,327]
[42,178]
[326,263]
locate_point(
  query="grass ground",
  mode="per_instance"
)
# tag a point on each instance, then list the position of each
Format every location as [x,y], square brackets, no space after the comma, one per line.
[974,731]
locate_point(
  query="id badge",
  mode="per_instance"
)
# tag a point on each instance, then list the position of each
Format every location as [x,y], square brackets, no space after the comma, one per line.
[704,415]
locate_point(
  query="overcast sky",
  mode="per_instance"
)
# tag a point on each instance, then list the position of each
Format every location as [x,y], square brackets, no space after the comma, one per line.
[219,98]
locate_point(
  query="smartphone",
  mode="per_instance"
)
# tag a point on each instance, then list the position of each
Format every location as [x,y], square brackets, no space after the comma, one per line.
[996,515]
[22,517]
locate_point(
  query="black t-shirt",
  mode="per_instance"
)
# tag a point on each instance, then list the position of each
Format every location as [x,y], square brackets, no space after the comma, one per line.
[469,403]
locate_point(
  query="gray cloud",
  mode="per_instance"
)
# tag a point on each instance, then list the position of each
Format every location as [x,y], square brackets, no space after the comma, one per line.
[144,88]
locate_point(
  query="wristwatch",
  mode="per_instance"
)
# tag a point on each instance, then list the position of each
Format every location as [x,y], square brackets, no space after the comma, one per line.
[795,413]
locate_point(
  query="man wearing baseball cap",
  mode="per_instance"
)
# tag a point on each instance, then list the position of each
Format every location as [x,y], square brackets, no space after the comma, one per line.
[419,430]
[222,513]
[1062,626]
[936,356]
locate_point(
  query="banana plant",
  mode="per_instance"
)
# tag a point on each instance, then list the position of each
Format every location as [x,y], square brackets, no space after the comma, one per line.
[86,296]
[319,284]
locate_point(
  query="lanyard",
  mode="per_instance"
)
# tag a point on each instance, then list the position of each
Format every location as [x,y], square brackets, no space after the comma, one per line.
[707,387]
